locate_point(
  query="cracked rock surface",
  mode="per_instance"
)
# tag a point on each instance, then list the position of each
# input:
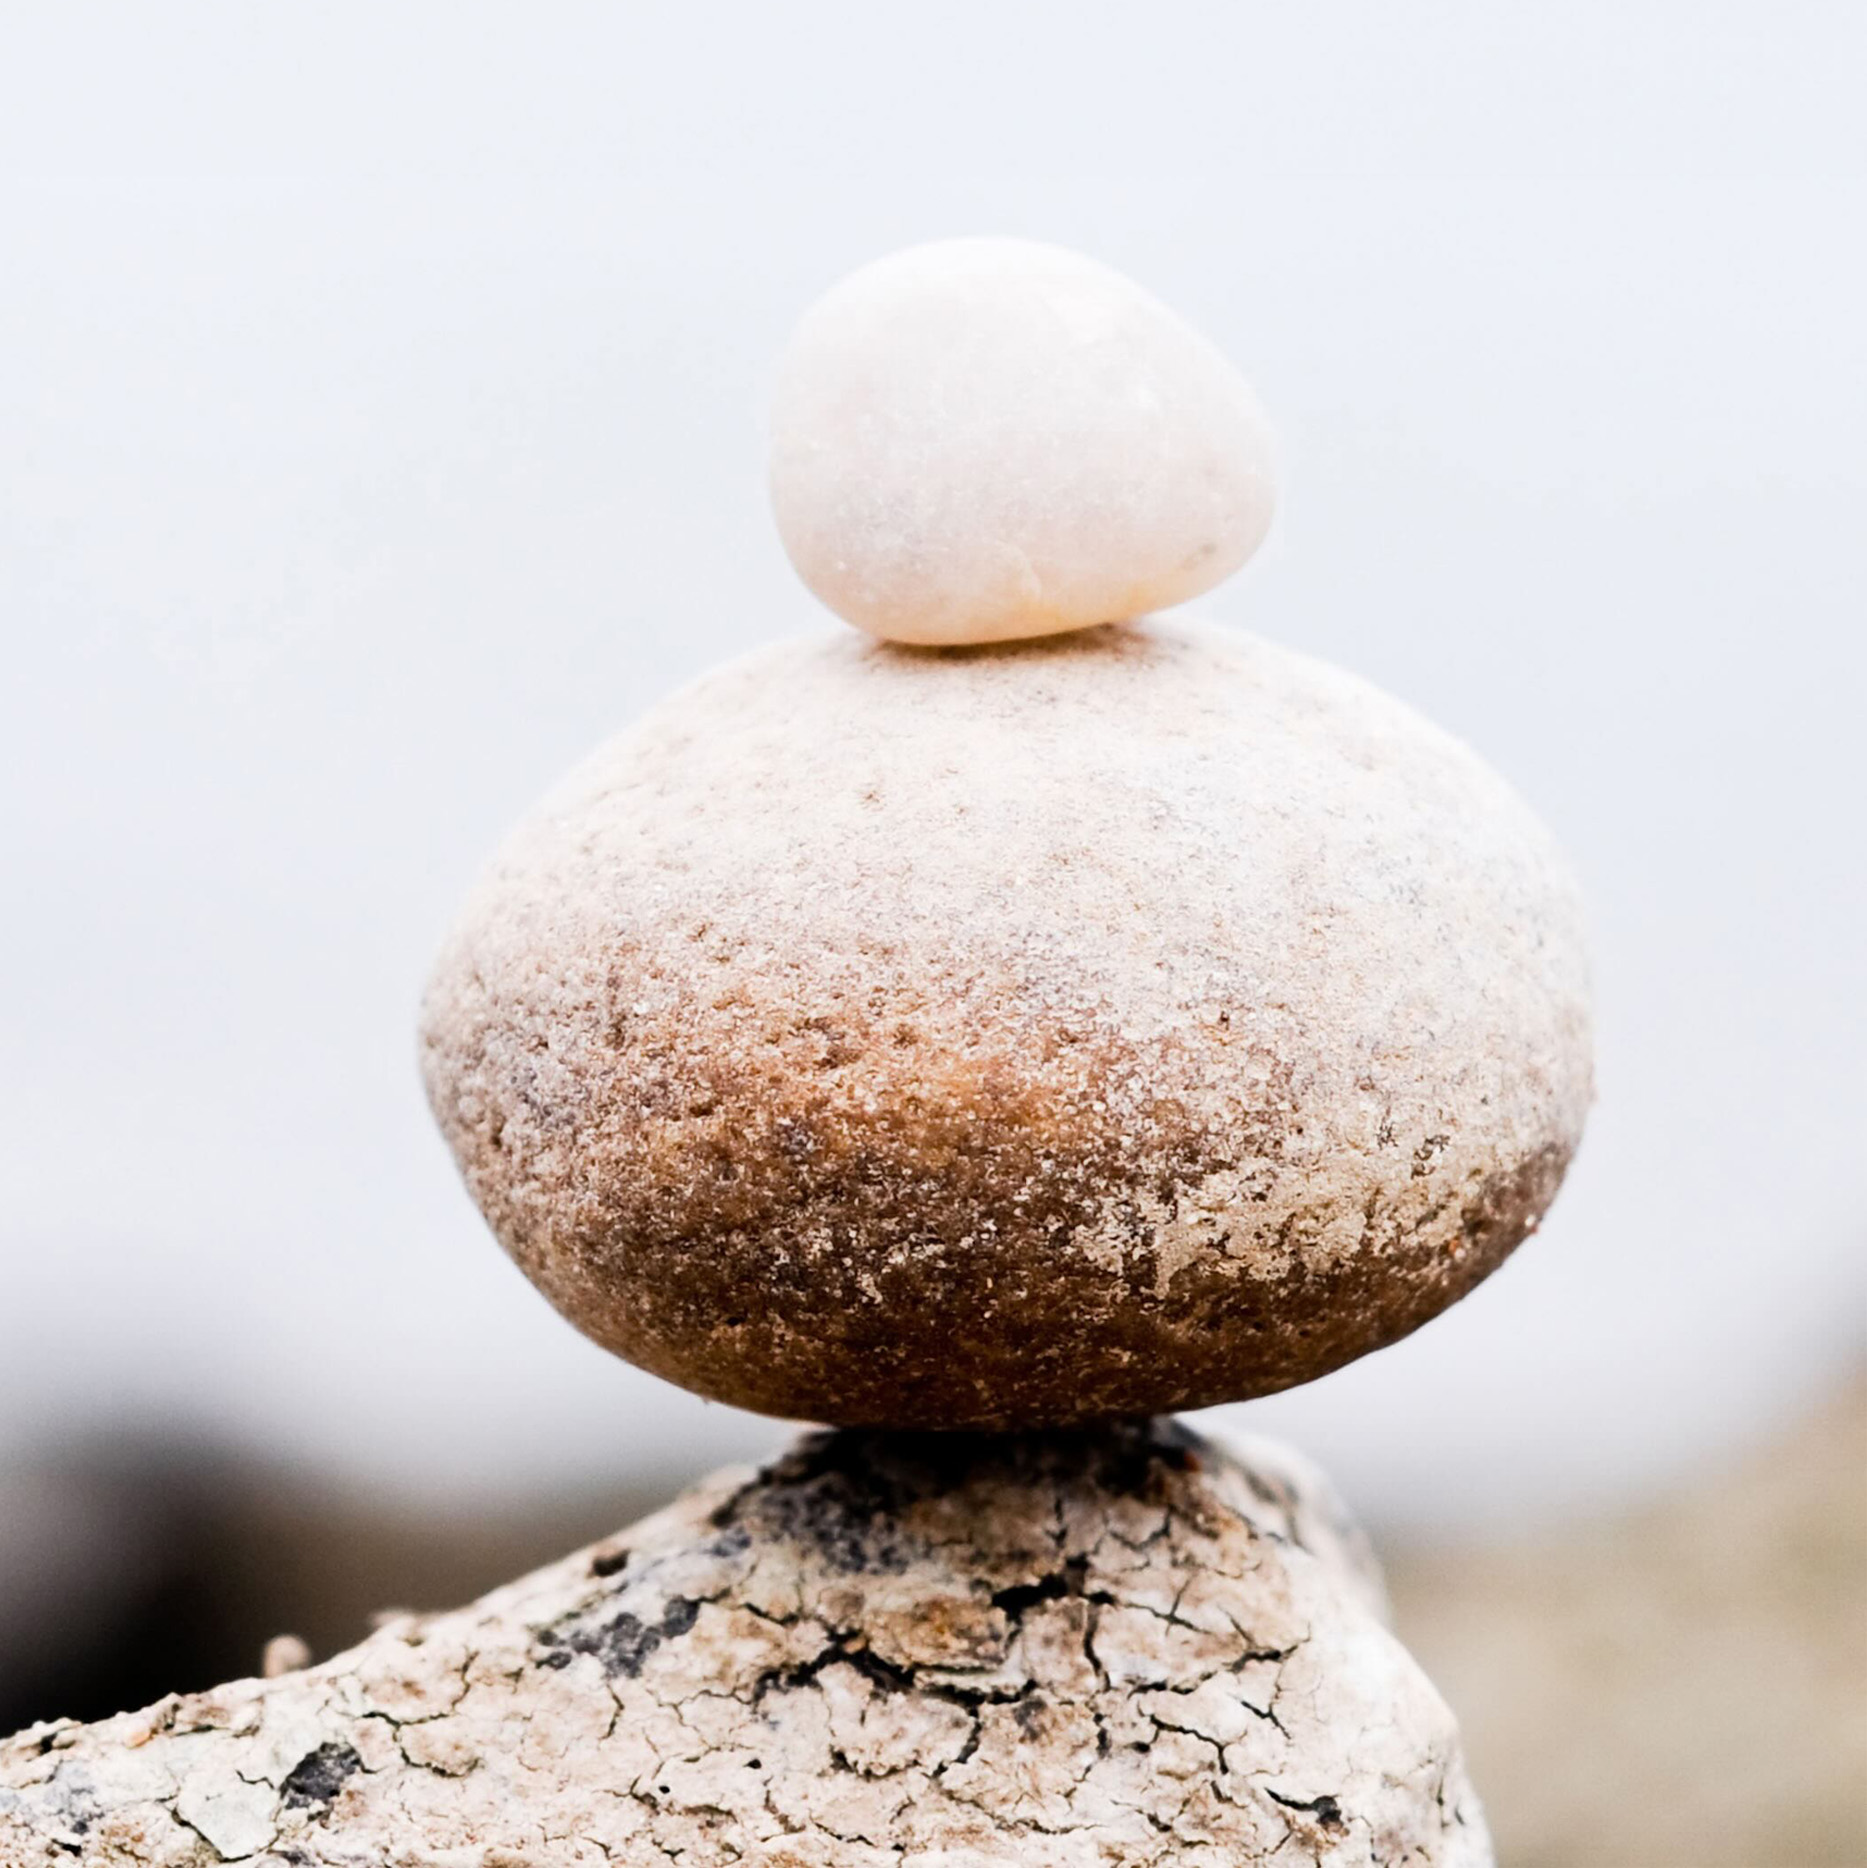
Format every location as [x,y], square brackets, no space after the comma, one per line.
[1119,1646]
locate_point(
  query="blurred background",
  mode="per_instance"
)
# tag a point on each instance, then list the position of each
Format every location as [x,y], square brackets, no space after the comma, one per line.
[381,397]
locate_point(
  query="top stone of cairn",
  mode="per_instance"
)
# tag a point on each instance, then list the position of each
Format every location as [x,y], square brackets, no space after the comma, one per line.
[982,440]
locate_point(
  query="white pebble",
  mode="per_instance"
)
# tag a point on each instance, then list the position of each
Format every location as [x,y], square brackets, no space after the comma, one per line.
[980,440]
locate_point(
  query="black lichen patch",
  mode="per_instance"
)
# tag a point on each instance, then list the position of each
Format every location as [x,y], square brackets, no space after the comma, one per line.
[318,1776]
[75,1800]
[847,1515]
[1326,1810]
[843,1496]
[622,1642]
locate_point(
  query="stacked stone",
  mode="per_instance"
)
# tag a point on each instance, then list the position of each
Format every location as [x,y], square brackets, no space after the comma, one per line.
[1081,1020]
[984,1032]
[1019,1016]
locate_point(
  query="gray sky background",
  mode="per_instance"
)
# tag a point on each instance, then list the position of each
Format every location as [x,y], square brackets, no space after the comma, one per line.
[381,399]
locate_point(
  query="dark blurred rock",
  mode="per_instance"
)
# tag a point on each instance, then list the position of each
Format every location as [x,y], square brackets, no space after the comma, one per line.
[134,1571]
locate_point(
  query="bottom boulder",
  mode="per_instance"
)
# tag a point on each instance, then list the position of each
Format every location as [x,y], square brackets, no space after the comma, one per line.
[1116,1646]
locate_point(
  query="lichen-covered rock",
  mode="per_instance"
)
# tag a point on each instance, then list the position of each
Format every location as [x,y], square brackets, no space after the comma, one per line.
[1109,1648]
[1166,1016]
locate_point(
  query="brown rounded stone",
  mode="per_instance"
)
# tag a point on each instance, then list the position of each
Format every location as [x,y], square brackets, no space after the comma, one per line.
[1132,1020]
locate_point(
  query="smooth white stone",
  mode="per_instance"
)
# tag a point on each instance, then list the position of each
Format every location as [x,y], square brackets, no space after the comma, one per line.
[979,440]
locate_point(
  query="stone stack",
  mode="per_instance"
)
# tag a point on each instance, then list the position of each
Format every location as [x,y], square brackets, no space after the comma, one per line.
[983,1033]
[1024,1014]
[1064,1024]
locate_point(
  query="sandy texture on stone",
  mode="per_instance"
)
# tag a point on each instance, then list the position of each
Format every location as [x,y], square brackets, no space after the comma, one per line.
[1128,1021]
[1117,1648]
[984,439]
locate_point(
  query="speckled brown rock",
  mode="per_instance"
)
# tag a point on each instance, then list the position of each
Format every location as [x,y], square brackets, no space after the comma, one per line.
[1119,1649]
[1139,1019]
